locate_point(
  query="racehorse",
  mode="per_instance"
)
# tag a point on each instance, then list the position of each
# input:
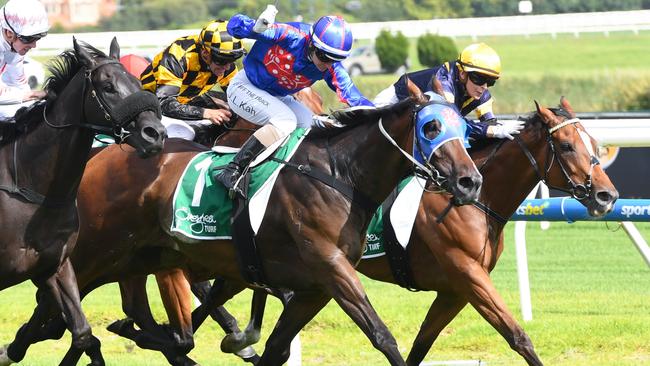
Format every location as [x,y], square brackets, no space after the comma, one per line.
[43,156]
[310,238]
[455,255]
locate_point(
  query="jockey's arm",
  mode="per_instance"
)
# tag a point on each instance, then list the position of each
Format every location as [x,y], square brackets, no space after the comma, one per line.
[241,26]
[339,81]
[171,107]
[14,88]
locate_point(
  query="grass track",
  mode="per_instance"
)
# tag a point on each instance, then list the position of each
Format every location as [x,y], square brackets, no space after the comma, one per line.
[591,307]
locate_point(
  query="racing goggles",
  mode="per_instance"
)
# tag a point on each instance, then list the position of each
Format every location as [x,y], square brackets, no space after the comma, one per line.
[23,39]
[323,57]
[222,59]
[480,79]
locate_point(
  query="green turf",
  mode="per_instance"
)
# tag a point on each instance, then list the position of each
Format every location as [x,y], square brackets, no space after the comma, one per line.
[590,294]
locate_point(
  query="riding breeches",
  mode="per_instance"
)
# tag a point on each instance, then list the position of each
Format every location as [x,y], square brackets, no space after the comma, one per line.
[9,110]
[386,97]
[260,107]
[181,128]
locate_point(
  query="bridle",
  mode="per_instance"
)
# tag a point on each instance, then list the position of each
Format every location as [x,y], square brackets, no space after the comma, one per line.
[119,124]
[427,168]
[577,191]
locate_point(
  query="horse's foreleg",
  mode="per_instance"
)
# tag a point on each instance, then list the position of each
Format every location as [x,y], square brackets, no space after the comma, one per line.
[484,297]
[63,286]
[302,307]
[442,311]
[345,287]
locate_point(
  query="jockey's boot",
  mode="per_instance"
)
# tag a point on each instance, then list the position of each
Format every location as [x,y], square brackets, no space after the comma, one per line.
[229,176]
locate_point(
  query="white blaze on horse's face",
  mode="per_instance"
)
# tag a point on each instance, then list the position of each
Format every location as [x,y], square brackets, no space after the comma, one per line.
[586,139]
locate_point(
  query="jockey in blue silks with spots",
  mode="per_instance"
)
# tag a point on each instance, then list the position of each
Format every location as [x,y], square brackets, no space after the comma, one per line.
[463,82]
[285,58]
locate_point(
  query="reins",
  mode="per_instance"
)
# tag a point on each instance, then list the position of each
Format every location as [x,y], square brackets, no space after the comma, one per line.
[577,191]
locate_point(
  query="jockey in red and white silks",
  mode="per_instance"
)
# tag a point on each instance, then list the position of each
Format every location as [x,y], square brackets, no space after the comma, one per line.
[23,23]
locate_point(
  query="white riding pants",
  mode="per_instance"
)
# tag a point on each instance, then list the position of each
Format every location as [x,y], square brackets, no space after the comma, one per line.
[9,110]
[180,128]
[386,97]
[260,107]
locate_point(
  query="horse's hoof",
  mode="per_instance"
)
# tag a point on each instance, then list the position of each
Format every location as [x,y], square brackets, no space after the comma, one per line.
[4,357]
[248,354]
[233,342]
[120,327]
[253,336]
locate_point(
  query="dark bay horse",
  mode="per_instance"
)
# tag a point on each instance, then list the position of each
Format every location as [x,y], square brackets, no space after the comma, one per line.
[455,257]
[42,158]
[311,236]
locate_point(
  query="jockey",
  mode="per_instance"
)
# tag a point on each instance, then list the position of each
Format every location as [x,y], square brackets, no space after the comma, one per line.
[23,23]
[284,59]
[184,72]
[465,83]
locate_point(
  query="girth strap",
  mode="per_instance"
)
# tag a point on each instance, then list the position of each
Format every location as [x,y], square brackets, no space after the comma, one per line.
[397,256]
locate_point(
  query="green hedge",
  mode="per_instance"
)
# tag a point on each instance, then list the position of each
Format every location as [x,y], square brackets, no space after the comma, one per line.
[434,50]
[392,50]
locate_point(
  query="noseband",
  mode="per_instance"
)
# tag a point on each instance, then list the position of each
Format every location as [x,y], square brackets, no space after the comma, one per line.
[577,191]
[124,112]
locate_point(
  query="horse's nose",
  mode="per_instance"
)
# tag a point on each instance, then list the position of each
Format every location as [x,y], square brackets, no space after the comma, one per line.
[470,185]
[606,197]
[153,135]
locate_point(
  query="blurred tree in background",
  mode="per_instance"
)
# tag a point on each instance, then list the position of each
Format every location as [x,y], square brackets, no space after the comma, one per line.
[433,50]
[392,50]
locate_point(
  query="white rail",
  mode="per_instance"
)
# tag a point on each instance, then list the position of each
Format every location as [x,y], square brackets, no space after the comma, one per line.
[149,42]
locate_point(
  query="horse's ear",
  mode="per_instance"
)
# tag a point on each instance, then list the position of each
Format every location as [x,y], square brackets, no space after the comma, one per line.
[415,92]
[564,103]
[82,54]
[437,87]
[114,49]
[545,113]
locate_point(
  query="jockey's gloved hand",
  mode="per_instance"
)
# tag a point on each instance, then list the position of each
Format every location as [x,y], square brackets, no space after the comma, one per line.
[265,19]
[505,129]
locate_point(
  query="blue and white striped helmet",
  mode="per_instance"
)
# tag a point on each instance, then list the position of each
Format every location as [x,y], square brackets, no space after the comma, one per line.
[332,35]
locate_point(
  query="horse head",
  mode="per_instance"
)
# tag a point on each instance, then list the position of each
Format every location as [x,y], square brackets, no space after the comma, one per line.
[115,103]
[571,164]
[440,139]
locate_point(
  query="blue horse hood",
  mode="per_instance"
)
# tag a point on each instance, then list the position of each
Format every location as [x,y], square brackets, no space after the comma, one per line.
[453,126]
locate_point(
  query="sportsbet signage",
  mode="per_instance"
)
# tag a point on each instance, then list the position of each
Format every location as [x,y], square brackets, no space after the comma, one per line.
[570,210]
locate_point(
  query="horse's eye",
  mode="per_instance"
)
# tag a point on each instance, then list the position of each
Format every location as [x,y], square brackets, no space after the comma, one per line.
[109,88]
[431,129]
[566,147]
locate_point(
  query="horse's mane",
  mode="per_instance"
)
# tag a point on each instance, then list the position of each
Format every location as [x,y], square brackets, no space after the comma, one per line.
[62,69]
[353,117]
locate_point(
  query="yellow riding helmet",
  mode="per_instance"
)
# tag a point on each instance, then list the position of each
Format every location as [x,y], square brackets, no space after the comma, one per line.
[481,58]
[215,38]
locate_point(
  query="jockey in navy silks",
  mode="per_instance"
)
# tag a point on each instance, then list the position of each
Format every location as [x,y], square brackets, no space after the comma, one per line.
[465,83]
[285,58]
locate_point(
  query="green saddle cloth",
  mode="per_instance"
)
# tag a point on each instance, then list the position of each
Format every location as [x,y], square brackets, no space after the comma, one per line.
[202,209]
[375,232]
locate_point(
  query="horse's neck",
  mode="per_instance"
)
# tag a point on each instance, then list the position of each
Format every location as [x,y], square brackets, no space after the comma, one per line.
[509,176]
[52,160]
[370,162]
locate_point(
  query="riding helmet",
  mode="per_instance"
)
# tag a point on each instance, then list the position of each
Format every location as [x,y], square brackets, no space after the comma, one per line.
[332,35]
[480,58]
